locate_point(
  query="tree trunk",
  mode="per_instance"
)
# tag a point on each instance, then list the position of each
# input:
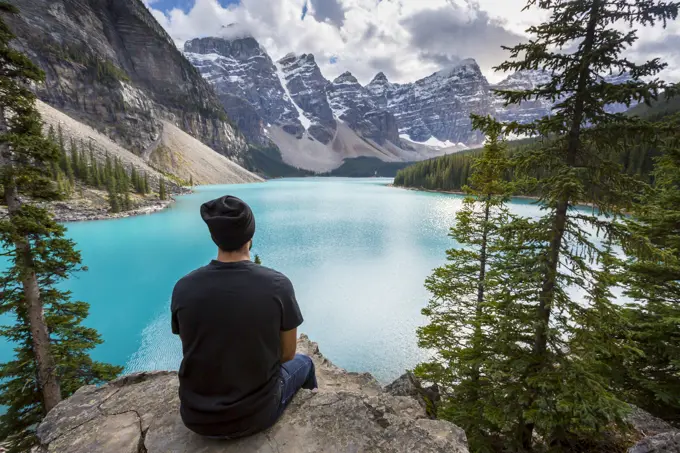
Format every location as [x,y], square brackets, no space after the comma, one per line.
[478,342]
[480,282]
[47,373]
[547,293]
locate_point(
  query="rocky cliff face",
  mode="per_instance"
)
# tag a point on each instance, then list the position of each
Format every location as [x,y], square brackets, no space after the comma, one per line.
[350,413]
[302,79]
[110,65]
[246,81]
[352,104]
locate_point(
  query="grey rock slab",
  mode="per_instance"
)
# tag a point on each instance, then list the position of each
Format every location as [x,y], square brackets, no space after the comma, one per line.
[668,442]
[119,433]
[349,413]
[323,422]
[646,424]
[79,409]
[149,394]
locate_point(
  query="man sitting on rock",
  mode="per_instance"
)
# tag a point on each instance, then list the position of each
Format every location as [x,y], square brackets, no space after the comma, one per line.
[238,324]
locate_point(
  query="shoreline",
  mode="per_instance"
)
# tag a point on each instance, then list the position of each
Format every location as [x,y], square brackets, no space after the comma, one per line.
[63,212]
[92,208]
[452,192]
[93,205]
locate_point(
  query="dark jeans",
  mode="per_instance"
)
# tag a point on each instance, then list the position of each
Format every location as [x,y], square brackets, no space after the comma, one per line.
[295,374]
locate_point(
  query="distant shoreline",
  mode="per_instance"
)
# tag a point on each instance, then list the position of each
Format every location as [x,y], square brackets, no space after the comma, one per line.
[63,212]
[453,192]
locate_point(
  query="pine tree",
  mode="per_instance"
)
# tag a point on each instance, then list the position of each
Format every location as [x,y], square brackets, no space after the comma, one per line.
[75,161]
[84,170]
[146,189]
[94,169]
[65,162]
[54,166]
[108,169]
[257,260]
[134,179]
[127,202]
[161,189]
[24,151]
[112,188]
[651,380]
[39,256]
[55,259]
[60,141]
[460,330]
[578,164]
[122,186]
[191,180]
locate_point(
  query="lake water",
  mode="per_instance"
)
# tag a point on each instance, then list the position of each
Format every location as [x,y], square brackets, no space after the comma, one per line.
[356,250]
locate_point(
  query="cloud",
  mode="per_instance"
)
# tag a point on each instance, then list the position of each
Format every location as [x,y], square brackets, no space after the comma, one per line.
[329,10]
[406,39]
[448,34]
[386,65]
[442,59]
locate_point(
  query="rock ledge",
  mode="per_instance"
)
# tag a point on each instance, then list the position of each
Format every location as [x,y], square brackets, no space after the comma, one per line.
[351,412]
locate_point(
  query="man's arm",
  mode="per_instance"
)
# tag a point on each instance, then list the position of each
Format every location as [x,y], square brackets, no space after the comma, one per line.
[288,345]
[174,322]
[291,318]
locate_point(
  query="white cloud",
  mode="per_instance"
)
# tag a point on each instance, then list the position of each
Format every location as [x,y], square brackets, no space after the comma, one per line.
[406,39]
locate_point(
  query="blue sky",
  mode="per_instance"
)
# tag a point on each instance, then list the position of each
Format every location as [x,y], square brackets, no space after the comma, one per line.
[184,5]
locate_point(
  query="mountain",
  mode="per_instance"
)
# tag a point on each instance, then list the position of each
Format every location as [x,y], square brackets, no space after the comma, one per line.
[533,109]
[437,106]
[247,83]
[301,77]
[352,104]
[528,110]
[110,65]
[316,124]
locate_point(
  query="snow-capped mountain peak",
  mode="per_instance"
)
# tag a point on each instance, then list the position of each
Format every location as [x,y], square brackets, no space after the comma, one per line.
[345,78]
[380,78]
[468,65]
[317,123]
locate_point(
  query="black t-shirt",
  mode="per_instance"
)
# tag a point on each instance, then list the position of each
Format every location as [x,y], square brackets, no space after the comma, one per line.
[229,317]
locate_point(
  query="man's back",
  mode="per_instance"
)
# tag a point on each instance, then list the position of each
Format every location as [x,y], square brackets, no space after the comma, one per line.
[229,317]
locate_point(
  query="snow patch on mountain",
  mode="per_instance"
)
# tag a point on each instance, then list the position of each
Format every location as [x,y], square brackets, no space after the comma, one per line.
[306,123]
[435,143]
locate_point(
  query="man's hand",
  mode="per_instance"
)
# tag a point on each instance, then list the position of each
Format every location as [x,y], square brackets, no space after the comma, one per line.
[288,345]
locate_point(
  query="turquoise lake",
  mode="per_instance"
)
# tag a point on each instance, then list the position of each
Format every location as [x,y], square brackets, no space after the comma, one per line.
[356,250]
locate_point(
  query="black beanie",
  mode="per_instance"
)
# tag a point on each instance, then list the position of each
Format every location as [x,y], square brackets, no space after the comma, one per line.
[230,221]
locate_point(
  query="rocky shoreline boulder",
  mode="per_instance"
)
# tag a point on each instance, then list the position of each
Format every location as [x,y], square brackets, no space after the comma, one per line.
[351,412]
[656,435]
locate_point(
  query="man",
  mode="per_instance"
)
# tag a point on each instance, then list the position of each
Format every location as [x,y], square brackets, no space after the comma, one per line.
[238,324]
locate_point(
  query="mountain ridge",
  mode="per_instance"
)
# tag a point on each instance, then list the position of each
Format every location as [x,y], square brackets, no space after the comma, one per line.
[395,122]
[315,123]
[112,66]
